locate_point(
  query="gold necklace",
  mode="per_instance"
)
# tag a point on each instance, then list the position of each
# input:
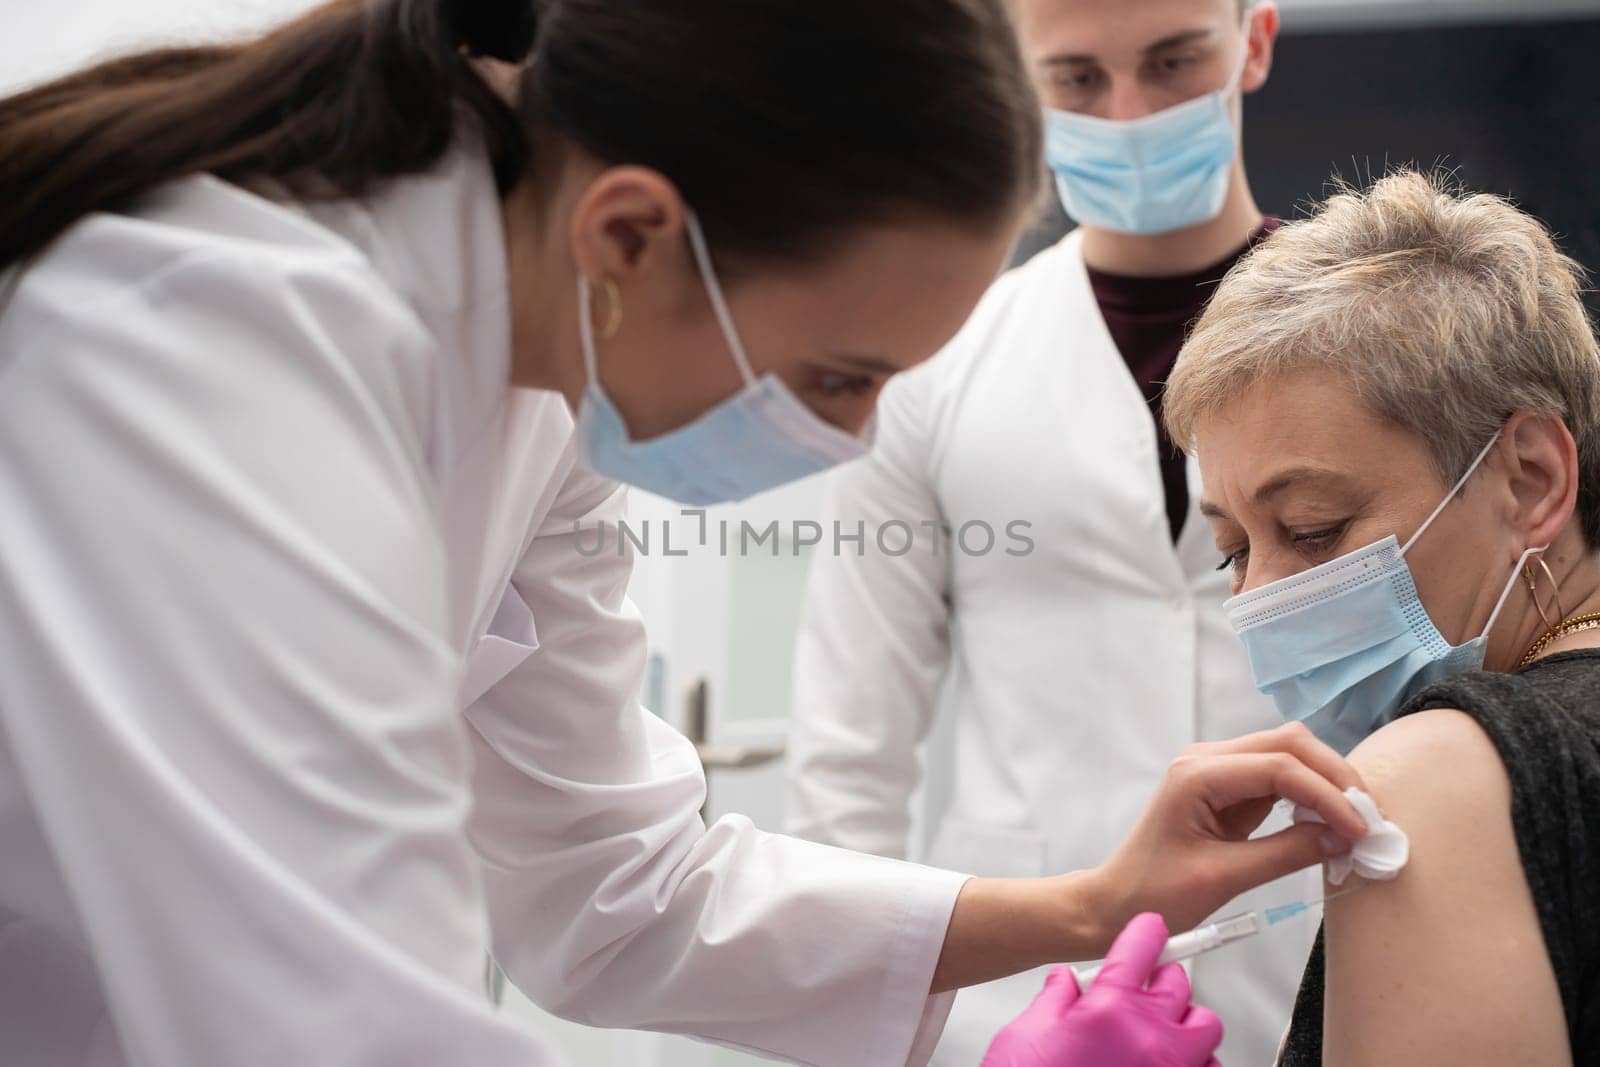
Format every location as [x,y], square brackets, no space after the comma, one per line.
[1573,625]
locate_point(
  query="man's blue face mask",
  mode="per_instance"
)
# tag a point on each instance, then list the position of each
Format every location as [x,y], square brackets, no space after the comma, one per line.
[1166,171]
[1343,646]
[759,438]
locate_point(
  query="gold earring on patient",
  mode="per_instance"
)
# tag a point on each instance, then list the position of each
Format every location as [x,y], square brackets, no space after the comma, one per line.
[608,329]
[1555,594]
[1554,631]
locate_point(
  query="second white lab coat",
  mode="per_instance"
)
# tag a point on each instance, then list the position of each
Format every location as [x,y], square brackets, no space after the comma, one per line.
[306,692]
[1075,670]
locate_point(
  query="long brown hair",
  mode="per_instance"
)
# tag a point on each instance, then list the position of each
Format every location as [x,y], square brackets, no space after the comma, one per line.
[782,121]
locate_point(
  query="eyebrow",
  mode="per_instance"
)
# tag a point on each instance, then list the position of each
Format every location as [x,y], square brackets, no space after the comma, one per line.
[1284,479]
[875,364]
[1275,485]
[1061,59]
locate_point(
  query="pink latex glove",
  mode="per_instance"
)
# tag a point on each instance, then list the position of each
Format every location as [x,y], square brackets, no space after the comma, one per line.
[1128,1016]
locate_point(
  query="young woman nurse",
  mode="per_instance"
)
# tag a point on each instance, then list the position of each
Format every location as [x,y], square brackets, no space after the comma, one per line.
[315,349]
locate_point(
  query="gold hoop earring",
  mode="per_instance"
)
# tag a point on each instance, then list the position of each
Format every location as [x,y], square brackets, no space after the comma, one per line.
[613,310]
[1555,593]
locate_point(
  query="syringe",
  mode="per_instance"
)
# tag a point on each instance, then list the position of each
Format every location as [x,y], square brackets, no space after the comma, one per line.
[1222,932]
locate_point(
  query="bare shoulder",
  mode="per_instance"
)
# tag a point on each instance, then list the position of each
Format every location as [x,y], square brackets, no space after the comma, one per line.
[1446,963]
[1430,763]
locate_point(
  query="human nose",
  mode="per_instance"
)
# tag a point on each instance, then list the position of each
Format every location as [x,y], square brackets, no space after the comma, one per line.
[1128,99]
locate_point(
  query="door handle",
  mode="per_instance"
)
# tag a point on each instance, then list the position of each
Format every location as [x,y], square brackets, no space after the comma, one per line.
[719,757]
[725,757]
[494,981]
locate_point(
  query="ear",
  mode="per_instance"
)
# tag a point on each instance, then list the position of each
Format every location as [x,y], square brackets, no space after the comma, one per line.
[1261,28]
[626,224]
[1542,470]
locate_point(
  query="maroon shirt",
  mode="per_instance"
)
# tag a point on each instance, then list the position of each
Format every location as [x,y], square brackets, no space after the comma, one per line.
[1148,318]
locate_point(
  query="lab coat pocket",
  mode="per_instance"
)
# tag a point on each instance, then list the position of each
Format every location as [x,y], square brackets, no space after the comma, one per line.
[988,851]
[510,639]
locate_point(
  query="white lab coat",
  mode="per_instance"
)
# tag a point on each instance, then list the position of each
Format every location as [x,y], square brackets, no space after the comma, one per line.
[264,491]
[1075,672]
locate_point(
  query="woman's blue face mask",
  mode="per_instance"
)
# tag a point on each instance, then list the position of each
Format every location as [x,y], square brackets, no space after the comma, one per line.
[759,438]
[1343,646]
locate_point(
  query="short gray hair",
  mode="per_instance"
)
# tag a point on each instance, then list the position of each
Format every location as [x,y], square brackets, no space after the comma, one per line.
[1445,312]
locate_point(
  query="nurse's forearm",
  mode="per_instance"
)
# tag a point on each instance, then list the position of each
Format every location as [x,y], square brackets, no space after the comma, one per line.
[1190,853]
[1002,926]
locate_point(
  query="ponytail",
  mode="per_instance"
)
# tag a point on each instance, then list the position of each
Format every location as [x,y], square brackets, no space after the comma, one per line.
[348,94]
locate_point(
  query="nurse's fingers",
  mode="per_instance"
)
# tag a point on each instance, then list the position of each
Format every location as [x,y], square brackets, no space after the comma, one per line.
[1170,991]
[1292,738]
[1133,954]
[1225,780]
[1199,1035]
[1060,992]
[1266,859]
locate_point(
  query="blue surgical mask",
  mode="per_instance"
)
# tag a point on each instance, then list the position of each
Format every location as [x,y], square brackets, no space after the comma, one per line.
[759,438]
[1163,172]
[1343,646]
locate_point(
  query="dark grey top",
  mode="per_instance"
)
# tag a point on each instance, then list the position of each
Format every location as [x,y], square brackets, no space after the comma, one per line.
[1544,721]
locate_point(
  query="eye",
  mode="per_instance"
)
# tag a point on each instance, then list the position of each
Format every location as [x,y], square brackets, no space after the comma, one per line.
[832,384]
[1175,64]
[1235,561]
[1318,540]
[1076,81]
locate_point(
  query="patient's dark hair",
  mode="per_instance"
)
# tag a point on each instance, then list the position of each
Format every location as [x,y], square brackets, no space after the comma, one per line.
[784,122]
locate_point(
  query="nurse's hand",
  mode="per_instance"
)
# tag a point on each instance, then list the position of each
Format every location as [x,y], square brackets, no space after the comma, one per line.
[1190,852]
[1132,1014]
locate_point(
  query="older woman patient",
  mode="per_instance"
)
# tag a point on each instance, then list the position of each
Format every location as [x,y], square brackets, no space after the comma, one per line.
[1395,405]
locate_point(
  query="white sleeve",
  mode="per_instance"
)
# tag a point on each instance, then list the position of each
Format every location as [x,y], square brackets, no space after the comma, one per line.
[226,689]
[614,905]
[874,638]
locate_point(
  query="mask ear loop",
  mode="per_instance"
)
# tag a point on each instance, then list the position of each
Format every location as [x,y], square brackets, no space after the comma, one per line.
[1451,495]
[708,274]
[1245,27]
[1522,561]
[1244,56]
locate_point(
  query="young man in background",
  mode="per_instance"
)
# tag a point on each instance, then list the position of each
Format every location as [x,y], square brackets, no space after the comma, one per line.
[1077,659]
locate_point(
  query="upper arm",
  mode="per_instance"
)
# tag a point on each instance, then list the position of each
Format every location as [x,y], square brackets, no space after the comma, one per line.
[1447,962]
[222,598]
[581,794]
[873,643]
